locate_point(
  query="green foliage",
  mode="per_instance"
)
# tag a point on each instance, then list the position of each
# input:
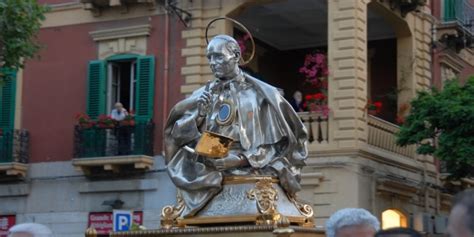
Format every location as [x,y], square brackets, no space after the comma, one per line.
[448,117]
[20,21]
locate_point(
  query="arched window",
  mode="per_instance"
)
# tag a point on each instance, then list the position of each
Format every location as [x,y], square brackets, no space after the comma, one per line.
[392,218]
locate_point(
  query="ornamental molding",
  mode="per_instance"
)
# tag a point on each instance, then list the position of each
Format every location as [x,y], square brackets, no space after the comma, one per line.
[123,32]
[452,62]
[130,39]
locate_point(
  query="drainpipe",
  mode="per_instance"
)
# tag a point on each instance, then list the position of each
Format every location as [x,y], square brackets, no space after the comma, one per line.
[166,67]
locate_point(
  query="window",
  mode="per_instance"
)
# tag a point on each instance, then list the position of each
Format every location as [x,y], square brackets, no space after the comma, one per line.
[393,218]
[128,79]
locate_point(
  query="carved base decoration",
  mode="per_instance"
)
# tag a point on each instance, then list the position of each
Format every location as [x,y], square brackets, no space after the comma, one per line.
[170,214]
[266,196]
[305,210]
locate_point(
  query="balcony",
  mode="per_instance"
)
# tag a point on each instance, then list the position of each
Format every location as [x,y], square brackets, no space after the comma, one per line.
[381,138]
[14,153]
[456,28]
[116,149]
[317,126]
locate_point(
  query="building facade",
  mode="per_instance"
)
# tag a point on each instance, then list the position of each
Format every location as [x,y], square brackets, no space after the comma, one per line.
[150,54]
[453,56]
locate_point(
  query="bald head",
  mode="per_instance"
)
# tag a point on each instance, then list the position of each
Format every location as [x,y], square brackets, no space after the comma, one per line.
[223,53]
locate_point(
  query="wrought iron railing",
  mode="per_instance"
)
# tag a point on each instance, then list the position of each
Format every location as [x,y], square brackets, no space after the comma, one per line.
[114,141]
[14,145]
[460,11]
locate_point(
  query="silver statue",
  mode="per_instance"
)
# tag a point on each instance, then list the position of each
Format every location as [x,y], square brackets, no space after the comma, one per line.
[269,137]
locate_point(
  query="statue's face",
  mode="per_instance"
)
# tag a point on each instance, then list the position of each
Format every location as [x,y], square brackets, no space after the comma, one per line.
[222,62]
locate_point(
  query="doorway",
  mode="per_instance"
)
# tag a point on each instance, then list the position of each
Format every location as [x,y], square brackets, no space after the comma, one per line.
[121,84]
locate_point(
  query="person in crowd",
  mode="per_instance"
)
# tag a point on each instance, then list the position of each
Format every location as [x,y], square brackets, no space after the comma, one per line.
[30,230]
[352,222]
[398,232]
[461,218]
[119,112]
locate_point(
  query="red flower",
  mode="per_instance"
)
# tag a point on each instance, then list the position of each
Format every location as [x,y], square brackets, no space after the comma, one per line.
[378,106]
[308,97]
[319,96]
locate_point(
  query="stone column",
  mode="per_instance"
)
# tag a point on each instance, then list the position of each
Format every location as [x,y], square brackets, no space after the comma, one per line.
[196,70]
[347,55]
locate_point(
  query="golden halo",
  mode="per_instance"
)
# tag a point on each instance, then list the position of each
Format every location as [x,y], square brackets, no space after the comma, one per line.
[241,26]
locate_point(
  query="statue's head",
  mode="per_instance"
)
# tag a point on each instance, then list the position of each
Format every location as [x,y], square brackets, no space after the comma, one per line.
[223,53]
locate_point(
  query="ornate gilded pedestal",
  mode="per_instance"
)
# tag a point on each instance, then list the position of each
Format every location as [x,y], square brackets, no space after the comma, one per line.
[255,200]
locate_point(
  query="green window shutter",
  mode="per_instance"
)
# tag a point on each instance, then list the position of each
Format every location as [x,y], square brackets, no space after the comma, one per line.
[145,88]
[449,10]
[7,101]
[96,88]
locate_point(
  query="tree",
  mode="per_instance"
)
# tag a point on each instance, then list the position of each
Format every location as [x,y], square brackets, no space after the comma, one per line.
[20,21]
[441,123]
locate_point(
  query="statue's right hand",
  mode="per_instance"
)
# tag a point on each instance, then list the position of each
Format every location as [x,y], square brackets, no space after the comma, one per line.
[204,102]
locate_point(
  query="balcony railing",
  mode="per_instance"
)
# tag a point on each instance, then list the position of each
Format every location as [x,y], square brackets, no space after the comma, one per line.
[317,126]
[14,146]
[459,11]
[115,141]
[382,135]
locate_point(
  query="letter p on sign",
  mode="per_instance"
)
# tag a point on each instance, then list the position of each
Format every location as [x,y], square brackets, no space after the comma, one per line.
[122,220]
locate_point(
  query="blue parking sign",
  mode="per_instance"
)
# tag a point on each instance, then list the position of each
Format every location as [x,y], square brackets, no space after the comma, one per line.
[122,220]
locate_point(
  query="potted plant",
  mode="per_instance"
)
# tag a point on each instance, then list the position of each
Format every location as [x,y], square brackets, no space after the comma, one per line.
[105,121]
[84,121]
[317,103]
[402,111]
[315,71]
[374,108]
[129,120]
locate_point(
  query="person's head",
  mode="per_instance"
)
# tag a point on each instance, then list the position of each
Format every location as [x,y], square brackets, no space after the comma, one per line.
[461,218]
[352,222]
[298,96]
[398,232]
[118,106]
[29,230]
[223,53]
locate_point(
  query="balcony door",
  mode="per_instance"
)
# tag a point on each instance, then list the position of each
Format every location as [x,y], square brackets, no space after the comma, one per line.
[121,84]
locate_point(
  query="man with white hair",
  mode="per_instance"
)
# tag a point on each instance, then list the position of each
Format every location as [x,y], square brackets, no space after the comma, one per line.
[352,222]
[30,230]
[461,219]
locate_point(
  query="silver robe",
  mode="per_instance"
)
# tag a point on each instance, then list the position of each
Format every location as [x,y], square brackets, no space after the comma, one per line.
[272,138]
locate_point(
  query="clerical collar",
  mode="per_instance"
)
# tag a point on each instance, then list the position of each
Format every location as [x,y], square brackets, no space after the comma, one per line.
[225,84]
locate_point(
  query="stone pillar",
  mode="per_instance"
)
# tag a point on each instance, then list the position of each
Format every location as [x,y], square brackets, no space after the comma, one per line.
[196,70]
[347,55]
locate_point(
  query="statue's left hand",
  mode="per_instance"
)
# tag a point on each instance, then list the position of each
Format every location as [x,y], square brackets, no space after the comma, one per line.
[231,161]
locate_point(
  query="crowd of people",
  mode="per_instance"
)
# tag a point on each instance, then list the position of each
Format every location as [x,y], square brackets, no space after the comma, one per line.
[347,222]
